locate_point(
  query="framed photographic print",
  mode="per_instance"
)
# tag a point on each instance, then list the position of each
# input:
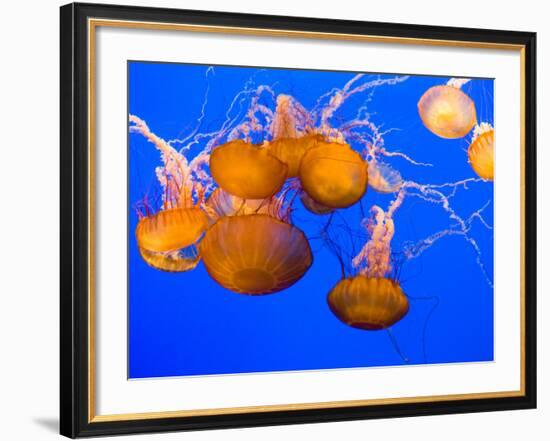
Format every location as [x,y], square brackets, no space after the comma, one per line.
[271,220]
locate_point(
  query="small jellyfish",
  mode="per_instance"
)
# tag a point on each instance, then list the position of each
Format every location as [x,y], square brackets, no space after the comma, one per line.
[368,303]
[255,254]
[291,151]
[312,206]
[247,171]
[383,178]
[171,230]
[182,260]
[481,151]
[447,111]
[334,175]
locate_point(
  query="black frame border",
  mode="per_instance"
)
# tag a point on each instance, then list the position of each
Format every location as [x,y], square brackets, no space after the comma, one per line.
[74,193]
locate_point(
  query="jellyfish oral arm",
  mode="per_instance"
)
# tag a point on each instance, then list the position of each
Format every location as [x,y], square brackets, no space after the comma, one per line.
[374,259]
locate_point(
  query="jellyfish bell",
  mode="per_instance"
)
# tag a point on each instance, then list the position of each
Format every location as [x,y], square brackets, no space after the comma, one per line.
[255,254]
[291,151]
[312,206]
[383,178]
[481,151]
[171,230]
[247,171]
[182,260]
[447,111]
[333,175]
[368,303]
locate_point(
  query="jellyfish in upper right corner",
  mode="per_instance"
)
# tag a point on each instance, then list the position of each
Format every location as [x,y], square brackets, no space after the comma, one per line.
[481,151]
[447,111]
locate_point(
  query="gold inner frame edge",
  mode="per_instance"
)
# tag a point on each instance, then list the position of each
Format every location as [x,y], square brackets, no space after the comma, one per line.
[92,25]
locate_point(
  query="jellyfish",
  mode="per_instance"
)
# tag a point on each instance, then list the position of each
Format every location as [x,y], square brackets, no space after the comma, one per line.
[481,151]
[171,230]
[166,239]
[383,178]
[291,151]
[447,111]
[371,299]
[221,203]
[270,145]
[255,254]
[334,175]
[368,303]
[247,171]
[182,260]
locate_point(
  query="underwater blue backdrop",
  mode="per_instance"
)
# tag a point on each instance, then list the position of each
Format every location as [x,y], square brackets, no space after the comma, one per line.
[186,324]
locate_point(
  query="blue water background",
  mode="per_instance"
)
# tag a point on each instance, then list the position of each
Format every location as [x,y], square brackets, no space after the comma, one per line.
[186,324]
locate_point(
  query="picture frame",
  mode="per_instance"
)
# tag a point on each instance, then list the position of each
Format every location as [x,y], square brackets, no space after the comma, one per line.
[81,175]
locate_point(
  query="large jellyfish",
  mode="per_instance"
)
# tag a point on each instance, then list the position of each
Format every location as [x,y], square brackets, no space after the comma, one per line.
[247,171]
[255,254]
[447,111]
[334,175]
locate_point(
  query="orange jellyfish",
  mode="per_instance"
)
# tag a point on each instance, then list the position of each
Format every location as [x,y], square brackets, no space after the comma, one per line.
[383,178]
[292,150]
[447,111]
[171,230]
[247,171]
[333,175]
[185,259]
[368,303]
[371,300]
[255,254]
[481,151]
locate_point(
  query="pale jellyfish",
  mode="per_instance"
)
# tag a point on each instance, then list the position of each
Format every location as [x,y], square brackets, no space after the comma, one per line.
[447,111]
[383,178]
